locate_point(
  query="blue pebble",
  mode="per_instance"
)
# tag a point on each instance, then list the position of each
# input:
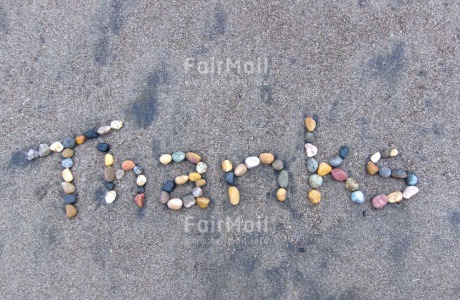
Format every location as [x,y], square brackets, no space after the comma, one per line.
[67,163]
[178,156]
[91,134]
[137,170]
[312,165]
[344,152]
[411,180]
[140,190]
[169,186]
[69,142]
[230,178]
[70,199]
[385,172]
[103,147]
[357,197]
[336,161]
[109,186]
[398,173]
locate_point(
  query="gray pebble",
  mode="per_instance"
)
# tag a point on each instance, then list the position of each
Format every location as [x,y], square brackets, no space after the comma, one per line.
[69,142]
[278,165]
[189,201]
[137,170]
[44,150]
[310,137]
[335,161]
[315,181]
[67,163]
[32,154]
[312,165]
[197,192]
[283,179]
[384,172]
[398,173]
[119,174]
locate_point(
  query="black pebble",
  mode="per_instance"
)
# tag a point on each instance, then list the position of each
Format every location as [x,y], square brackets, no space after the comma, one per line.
[140,189]
[169,186]
[91,134]
[230,178]
[70,199]
[301,250]
[109,186]
[344,152]
[103,147]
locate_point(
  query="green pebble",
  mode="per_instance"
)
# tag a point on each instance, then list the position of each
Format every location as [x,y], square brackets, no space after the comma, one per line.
[315,181]
[178,156]
[283,179]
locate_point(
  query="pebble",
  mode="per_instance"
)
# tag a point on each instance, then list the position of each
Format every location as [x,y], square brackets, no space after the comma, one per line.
[314,196]
[357,197]
[116,124]
[252,162]
[140,190]
[312,165]
[395,197]
[315,181]
[70,199]
[178,156]
[68,153]
[385,153]
[91,134]
[230,178]
[67,163]
[189,201]
[108,160]
[70,211]
[310,124]
[194,176]
[128,165]
[56,147]
[103,147]
[311,149]
[324,169]
[380,201]
[394,152]
[165,159]
[335,161]
[164,197]
[197,192]
[201,167]
[68,187]
[169,186]
[44,150]
[372,168]
[110,196]
[339,174]
[410,191]
[181,179]
[109,186]
[119,174]
[109,174]
[138,170]
[80,139]
[385,172]
[278,165]
[175,203]
[310,137]
[202,202]
[193,157]
[67,175]
[266,158]
[240,170]
[352,184]
[343,152]
[69,142]
[375,157]
[140,200]
[234,195]
[32,154]
[281,194]
[226,166]
[141,180]
[104,130]
[411,179]
[398,173]
[283,179]
[200,182]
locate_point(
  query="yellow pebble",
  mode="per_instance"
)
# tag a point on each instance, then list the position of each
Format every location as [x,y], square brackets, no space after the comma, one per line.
[395,197]
[108,160]
[281,194]
[310,124]
[165,159]
[182,179]
[202,202]
[80,139]
[324,169]
[200,182]
[67,175]
[393,152]
[227,166]
[194,177]
[314,196]
[234,195]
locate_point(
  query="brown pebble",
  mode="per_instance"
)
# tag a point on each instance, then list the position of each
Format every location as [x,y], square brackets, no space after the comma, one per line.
[201,182]
[80,139]
[67,153]
[109,174]
[372,168]
[70,211]
[240,170]
[310,124]
[202,202]
[139,199]
[281,194]
[227,166]
[193,157]
[385,153]
[266,158]
[128,165]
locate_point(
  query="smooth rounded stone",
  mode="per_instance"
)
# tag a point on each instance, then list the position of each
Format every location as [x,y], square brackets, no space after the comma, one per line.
[67,175]
[266,158]
[343,152]
[375,157]
[281,194]
[240,170]
[32,154]
[252,162]
[200,182]
[116,124]
[109,174]
[395,197]
[91,134]
[202,202]
[201,167]
[310,137]
[175,203]
[197,192]
[56,147]
[181,179]
[311,150]
[357,197]
[165,159]
[164,197]
[385,153]
[70,211]
[226,166]
[69,142]
[194,176]
[394,152]
[138,170]
[139,199]
[380,201]
[44,150]
[168,186]
[230,178]
[324,169]
[141,180]
[193,157]
[80,139]
[278,165]
[351,184]
[234,195]
[312,165]
[68,187]
[178,156]
[335,161]
[398,173]
[385,172]
[70,199]
[140,189]
[372,168]
[109,186]
[314,196]
[119,174]
[128,165]
[104,130]
[410,191]
[339,174]
[103,147]
[110,196]
[283,179]
[411,179]
[67,163]
[68,153]
[189,201]
[108,160]
[310,124]
[315,181]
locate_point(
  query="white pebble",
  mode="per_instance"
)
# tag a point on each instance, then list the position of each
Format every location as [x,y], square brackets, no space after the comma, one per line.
[119,174]
[110,196]
[201,167]
[375,157]
[141,180]
[104,130]
[410,191]
[116,124]
[197,192]
[56,147]
[252,161]
[311,150]
[175,203]
[393,152]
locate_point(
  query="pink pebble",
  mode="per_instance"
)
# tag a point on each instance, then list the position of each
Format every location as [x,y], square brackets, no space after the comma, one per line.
[339,174]
[380,201]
